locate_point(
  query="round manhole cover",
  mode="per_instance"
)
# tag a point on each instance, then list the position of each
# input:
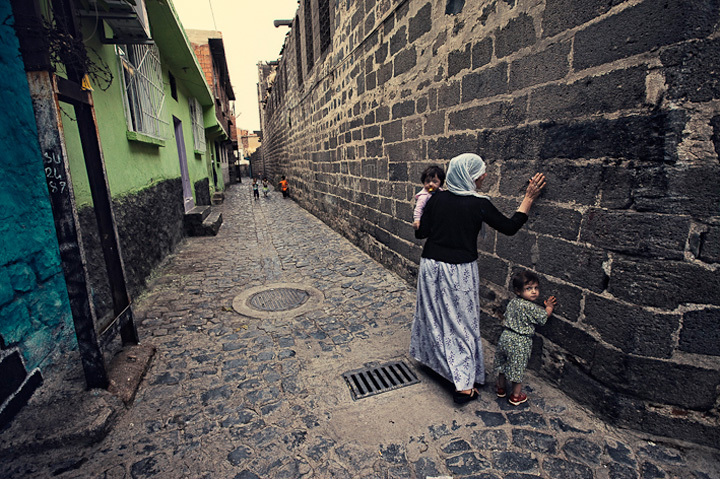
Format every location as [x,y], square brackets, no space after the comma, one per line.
[280,299]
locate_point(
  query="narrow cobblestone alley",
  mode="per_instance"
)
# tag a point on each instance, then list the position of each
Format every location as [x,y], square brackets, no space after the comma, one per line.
[231,395]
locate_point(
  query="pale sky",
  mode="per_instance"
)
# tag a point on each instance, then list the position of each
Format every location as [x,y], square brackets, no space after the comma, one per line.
[249,37]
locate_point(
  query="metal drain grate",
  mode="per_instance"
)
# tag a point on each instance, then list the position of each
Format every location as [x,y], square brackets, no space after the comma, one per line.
[379,379]
[280,299]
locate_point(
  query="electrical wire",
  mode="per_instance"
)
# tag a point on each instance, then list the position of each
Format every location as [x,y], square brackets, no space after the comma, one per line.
[213,14]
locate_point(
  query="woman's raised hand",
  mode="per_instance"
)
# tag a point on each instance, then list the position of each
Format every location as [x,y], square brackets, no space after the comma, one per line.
[535,186]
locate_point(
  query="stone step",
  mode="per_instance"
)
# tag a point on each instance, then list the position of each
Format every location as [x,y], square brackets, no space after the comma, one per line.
[217,198]
[212,223]
[202,221]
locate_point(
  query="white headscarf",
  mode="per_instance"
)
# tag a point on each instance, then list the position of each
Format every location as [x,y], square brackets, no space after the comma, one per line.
[462,172]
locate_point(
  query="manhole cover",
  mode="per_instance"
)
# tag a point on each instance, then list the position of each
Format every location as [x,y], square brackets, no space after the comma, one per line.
[280,299]
[379,379]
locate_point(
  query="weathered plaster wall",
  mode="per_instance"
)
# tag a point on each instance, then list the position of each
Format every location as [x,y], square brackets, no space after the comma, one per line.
[617,102]
[34,309]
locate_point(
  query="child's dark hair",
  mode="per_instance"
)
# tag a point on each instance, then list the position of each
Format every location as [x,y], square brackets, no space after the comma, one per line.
[431,171]
[522,279]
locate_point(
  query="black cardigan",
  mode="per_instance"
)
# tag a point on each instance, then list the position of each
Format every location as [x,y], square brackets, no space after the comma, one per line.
[451,223]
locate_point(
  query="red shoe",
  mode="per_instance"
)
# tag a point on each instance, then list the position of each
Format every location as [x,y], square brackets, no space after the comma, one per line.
[500,392]
[516,400]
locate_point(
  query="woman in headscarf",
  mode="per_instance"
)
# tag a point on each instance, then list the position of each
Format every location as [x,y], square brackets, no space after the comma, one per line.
[446,326]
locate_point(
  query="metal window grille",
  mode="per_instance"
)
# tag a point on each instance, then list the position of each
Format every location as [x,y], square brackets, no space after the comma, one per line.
[144,89]
[307,13]
[198,126]
[324,13]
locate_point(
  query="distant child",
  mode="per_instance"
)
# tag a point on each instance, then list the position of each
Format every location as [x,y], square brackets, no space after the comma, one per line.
[255,188]
[284,187]
[432,178]
[266,187]
[515,344]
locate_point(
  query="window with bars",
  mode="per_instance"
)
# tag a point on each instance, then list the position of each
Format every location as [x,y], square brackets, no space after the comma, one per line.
[309,48]
[324,15]
[198,125]
[298,49]
[144,90]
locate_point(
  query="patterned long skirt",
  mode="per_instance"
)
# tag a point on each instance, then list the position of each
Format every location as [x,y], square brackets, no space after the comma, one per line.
[446,327]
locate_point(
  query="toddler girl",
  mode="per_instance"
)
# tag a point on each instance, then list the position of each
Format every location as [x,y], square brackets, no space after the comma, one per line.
[432,179]
[513,348]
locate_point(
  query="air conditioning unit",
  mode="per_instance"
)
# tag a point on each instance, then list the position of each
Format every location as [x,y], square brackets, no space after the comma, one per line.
[127,19]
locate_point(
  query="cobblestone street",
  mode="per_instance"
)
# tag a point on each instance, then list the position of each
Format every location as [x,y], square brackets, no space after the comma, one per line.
[231,395]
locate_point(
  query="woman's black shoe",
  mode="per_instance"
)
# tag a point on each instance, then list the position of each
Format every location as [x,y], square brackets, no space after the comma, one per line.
[462,398]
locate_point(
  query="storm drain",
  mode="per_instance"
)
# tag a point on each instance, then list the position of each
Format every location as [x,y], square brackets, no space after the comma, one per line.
[379,379]
[280,299]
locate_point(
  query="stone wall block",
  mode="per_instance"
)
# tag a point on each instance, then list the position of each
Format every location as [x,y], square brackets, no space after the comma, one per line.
[709,248]
[421,23]
[563,15]
[570,337]
[374,148]
[371,132]
[642,28]
[382,113]
[22,277]
[485,83]
[615,91]
[447,147]
[517,34]
[518,143]
[689,70]
[544,66]
[670,381]
[403,109]
[381,53]
[459,60]
[434,124]
[614,406]
[552,220]
[683,190]
[16,321]
[393,131]
[7,292]
[398,41]
[493,269]
[567,182]
[449,95]
[412,150]
[663,284]
[569,297]
[632,329]
[493,115]
[482,53]
[637,234]
[700,333]
[398,171]
[572,263]
[628,138]
[518,248]
[384,73]
[404,61]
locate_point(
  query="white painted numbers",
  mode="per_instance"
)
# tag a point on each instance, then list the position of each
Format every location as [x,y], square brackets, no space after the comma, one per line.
[54,173]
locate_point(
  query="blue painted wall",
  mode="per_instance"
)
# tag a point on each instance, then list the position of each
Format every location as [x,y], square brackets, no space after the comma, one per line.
[34,308]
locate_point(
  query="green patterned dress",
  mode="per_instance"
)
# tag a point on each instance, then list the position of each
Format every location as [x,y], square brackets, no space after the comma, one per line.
[515,344]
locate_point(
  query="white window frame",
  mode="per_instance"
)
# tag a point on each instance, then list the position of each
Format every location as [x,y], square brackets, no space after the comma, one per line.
[143,89]
[198,125]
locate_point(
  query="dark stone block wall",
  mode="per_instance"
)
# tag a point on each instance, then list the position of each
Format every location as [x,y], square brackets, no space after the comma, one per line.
[149,224]
[617,102]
